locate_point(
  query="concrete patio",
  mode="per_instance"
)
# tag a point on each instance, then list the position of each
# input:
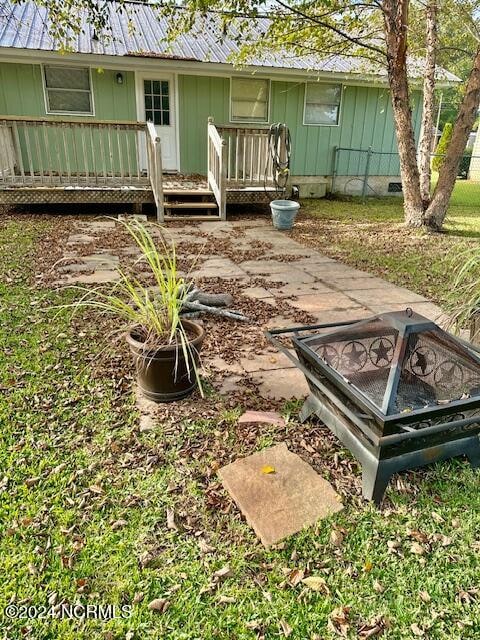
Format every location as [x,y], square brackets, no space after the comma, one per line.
[280,281]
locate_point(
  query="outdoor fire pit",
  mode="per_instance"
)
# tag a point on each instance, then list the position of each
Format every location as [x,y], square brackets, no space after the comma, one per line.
[396,389]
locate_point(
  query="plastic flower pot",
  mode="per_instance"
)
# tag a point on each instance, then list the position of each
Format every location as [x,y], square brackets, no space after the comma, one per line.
[163,373]
[283,213]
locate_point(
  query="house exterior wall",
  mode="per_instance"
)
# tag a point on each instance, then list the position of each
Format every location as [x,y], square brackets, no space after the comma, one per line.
[21,93]
[365,116]
[365,120]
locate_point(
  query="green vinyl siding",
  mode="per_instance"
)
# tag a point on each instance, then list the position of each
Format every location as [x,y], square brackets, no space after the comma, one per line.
[365,121]
[21,94]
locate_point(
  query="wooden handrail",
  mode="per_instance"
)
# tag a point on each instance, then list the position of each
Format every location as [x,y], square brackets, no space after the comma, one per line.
[134,124]
[217,167]
[155,171]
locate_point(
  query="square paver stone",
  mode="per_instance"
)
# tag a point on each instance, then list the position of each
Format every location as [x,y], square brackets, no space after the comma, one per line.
[277,505]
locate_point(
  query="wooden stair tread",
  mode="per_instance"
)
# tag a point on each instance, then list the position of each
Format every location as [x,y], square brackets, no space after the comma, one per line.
[193,217]
[187,192]
[190,205]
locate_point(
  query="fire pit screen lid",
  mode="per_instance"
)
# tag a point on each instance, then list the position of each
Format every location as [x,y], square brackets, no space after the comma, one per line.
[400,362]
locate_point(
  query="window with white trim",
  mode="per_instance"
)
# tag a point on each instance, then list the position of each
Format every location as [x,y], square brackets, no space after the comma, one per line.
[68,89]
[322,103]
[249,100]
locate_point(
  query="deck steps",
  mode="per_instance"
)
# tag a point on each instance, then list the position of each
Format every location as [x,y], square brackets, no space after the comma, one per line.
[190,203]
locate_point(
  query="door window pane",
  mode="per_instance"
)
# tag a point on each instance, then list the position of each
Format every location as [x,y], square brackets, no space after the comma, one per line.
[157,102]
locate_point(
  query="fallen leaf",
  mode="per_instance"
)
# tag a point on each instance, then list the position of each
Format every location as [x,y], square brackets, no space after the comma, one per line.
[224,572]
[138,597]
[338,621]
[204,546]
[295,576]
[336,538]
[416,630]
[374,627]
[425,596]
[171,520]
[30,482]
[226,600]
[159,604]
[368,565]
[378,587]
[417,549]
[118,524]
[316,583]
[267,469]
[285,628]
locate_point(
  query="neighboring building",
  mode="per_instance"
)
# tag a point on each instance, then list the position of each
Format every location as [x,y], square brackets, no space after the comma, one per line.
[134,77]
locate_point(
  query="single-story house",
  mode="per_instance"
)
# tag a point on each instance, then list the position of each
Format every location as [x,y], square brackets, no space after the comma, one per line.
[72,117]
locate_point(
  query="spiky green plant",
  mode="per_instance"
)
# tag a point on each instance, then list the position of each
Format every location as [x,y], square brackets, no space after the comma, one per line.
[463,300]
[155,309]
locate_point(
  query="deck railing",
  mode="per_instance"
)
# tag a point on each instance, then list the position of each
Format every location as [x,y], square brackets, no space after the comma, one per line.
[86,153]
[249,163]
[217,168]
[154,157]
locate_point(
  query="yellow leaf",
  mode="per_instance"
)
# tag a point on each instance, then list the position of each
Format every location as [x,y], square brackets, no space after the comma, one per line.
[268,469]
[368,565]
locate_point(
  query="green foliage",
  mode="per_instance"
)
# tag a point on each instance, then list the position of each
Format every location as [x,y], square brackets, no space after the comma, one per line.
[463,299]
[442,146]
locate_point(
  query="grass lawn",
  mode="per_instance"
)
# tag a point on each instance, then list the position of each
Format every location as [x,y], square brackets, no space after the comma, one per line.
[84,496]
[371,236]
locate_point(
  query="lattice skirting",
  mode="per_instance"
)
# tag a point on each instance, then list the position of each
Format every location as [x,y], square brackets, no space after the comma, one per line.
[64,196]
[248,197]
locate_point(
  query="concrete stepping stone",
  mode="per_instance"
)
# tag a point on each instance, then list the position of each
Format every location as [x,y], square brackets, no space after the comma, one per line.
[282,502]
[281,384]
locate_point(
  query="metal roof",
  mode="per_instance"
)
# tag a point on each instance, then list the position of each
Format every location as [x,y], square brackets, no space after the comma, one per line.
[26,26]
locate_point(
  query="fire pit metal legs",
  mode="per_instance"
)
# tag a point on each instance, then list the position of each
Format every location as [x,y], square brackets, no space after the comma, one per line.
[376,472]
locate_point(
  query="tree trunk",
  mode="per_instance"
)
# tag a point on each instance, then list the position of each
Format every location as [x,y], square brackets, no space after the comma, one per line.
[437,210]
[426,139]
[396,27]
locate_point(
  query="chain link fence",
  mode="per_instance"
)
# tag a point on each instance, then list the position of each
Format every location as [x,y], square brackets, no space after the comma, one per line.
[369,173]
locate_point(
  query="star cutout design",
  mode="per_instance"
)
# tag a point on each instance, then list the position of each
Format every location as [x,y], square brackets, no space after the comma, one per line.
[383,350]
[423,361]
[448,374]
[330,355]
[356,355]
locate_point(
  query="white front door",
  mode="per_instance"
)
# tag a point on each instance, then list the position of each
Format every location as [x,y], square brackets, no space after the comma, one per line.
[156,103]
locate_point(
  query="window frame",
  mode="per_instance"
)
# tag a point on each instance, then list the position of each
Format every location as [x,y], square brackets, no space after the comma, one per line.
[86,114]
[269,101]
[340,105]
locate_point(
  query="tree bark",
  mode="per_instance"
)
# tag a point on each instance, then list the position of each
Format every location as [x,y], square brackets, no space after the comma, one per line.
[437,210]
[426,138]
[396,26]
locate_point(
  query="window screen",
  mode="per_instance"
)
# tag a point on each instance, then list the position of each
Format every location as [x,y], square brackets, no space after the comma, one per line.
[249,100]
[157,101]
[68,90]
[322,103]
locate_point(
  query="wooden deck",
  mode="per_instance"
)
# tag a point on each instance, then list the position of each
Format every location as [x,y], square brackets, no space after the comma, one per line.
[45,161]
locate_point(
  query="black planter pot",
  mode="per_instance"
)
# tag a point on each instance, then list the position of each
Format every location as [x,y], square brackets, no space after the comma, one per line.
[163,374]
